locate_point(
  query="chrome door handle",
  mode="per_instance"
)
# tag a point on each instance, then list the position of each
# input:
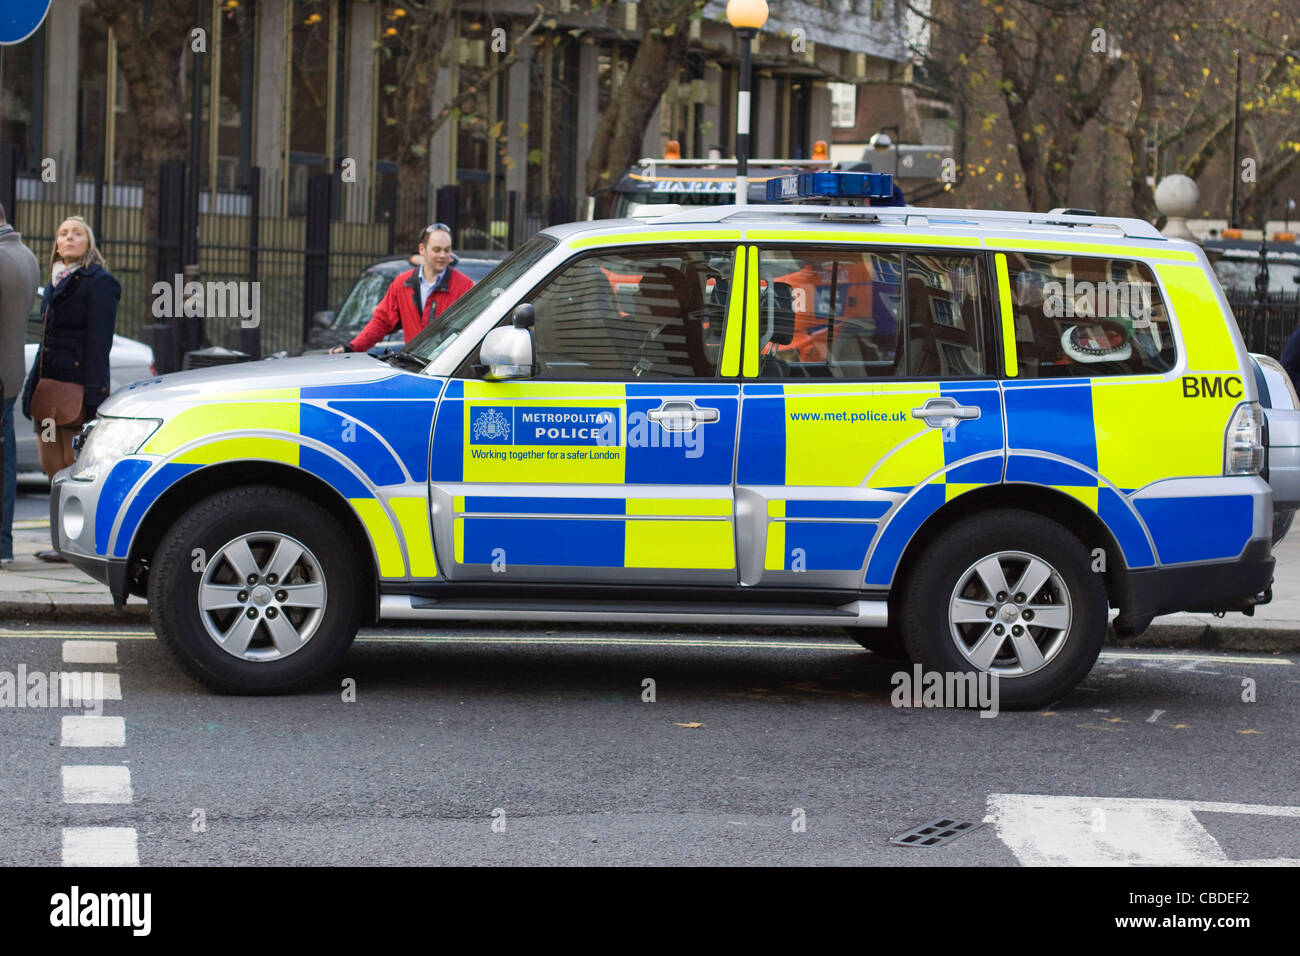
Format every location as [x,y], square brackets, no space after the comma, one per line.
[679,416]
[945,412]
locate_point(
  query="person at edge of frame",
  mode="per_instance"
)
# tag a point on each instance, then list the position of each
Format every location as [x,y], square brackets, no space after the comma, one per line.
[20,281]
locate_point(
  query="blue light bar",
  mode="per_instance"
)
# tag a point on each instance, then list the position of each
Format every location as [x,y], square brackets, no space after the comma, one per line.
[830,185]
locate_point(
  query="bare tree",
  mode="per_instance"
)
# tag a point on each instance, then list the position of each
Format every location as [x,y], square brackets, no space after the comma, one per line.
[152,45]
[417,40]
[665,38]
[1078,90]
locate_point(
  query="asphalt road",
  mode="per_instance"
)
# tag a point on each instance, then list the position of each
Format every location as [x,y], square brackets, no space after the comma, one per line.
[1155,758]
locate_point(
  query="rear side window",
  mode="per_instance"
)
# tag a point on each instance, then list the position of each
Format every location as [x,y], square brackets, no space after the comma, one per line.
[869,313]
[1083,316]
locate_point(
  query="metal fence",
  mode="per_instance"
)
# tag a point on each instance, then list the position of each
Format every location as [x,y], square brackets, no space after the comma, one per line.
[236,243]
[1265,322]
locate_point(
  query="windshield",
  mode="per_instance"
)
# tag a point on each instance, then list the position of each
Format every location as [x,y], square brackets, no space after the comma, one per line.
[1240,274]
[358,308]
[445,329]
[629,205]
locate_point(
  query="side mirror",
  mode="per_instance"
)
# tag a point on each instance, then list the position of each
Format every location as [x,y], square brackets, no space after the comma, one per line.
[322,320]
[507,352]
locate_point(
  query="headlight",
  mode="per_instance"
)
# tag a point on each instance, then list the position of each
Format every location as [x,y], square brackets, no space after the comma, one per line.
[109,440]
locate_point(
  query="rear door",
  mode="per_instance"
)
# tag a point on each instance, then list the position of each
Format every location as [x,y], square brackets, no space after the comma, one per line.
[871,404]
[614,463]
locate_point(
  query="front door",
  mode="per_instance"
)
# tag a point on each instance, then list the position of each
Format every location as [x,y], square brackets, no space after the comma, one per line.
[613,464]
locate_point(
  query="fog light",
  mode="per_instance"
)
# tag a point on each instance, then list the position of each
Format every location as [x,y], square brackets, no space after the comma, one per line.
[73,516]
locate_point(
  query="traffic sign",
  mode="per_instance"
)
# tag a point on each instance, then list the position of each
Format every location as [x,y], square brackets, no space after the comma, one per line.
[19,19]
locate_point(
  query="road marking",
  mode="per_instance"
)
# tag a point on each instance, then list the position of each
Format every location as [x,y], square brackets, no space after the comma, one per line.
[93,732]
[1043,830]
[100,846]
[1181,657]
[1155,715]
[97,785]
[89,686]
[84,635]
[90,652]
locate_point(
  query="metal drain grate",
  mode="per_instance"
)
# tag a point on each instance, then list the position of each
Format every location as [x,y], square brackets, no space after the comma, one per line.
[935,833]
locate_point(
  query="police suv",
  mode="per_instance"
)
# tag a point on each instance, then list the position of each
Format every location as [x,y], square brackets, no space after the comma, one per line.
[969,436]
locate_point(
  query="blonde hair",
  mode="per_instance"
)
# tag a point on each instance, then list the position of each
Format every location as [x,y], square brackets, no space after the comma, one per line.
[91,257]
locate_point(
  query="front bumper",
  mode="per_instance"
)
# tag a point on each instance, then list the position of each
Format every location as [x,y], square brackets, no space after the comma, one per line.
[72,529]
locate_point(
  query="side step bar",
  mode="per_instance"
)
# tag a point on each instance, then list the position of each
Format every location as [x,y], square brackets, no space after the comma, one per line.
[404,607]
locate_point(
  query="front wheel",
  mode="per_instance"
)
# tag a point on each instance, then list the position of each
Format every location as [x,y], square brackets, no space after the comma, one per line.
[1011,594]
[255,590]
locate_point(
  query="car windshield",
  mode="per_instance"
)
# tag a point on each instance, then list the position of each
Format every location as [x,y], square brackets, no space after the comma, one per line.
[444,330]
[1239,274]
[358,308]
[632,205]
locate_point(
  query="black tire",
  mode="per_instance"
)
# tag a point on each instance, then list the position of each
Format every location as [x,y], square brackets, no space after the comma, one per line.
[1066,654]
[884,642]
[221,520]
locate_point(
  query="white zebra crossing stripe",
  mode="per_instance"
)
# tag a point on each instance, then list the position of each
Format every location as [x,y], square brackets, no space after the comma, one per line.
[90,652]
[1043,830]
[100,846]
[93,732]
[89,686]
[97,785]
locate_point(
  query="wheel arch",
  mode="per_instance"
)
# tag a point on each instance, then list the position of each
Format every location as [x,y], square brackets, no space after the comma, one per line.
[1065,510]
[199,484]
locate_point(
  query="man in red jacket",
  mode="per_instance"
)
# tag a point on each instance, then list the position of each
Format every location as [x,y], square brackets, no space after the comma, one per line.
[417,295]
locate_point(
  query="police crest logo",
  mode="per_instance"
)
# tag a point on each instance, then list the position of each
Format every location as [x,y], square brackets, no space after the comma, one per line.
[489,424]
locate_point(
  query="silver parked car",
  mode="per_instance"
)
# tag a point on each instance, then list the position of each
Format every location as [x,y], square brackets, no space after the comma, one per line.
[1282,412]
[128,361]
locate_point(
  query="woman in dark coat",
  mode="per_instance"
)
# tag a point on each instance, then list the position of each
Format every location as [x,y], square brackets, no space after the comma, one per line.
[80,314]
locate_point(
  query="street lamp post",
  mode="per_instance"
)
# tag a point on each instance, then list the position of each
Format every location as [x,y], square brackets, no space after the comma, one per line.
[881,142]
[746,18]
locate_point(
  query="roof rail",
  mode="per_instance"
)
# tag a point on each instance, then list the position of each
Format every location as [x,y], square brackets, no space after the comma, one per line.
[731,161]
[921,216]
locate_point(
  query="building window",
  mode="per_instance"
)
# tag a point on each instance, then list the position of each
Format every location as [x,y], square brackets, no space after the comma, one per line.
[844,104]
[877,9]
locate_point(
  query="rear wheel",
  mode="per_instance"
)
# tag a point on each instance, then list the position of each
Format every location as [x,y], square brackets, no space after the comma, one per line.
[1012,594]
[255,590]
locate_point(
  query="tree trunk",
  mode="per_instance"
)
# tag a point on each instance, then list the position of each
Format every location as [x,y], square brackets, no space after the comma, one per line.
[412,200]
[619,134]
[152,58]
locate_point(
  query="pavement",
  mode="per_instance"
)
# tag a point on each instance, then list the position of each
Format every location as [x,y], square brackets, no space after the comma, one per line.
[35,590]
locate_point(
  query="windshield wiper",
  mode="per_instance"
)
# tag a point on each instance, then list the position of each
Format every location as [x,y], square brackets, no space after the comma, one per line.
[406,360]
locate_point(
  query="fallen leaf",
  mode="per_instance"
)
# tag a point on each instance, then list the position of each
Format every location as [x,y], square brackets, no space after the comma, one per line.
[691,726]
[1250,731]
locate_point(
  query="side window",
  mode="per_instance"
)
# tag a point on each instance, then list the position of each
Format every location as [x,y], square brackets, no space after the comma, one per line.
[1080,316]
[639,314]
[943,316]
[830,314]
[870,313]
